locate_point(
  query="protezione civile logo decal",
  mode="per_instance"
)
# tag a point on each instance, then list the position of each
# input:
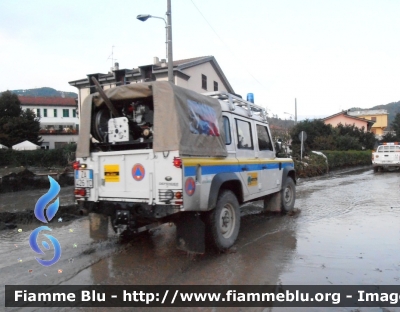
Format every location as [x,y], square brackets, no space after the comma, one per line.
[40,211]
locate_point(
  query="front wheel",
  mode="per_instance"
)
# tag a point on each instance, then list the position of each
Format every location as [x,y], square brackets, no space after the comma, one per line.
[288,195]
[224,221]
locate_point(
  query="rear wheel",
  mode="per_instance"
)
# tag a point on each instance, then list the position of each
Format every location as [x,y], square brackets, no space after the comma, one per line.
[288,194]
[224,221]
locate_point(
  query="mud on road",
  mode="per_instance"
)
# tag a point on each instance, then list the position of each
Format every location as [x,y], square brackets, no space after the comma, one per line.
[346,232]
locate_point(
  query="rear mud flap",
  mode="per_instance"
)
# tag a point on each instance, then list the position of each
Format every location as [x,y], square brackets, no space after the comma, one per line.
[190,233]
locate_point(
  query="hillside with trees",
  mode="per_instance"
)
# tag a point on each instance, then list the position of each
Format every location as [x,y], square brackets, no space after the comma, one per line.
[45,91]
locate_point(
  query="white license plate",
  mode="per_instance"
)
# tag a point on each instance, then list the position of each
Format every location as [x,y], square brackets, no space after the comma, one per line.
[84,178]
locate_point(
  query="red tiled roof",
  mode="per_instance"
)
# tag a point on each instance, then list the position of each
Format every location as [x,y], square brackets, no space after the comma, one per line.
[344,113]
[51,101]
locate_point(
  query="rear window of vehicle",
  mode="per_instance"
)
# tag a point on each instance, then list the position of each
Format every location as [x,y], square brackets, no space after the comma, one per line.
[388,148]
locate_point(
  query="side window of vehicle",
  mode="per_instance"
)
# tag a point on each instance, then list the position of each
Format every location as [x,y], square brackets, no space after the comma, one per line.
[264,140]
[227,130]
[245,140]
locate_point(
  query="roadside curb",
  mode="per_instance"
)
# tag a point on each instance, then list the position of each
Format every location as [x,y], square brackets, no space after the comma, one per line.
[335,172]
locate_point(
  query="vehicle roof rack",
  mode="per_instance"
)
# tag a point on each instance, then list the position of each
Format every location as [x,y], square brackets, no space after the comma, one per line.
[234,101]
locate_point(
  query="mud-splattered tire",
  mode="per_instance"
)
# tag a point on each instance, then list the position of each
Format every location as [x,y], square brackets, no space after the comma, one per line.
[224,221]
[376,169]
[288,195]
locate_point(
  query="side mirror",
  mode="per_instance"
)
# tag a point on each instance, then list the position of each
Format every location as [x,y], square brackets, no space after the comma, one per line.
[278,146]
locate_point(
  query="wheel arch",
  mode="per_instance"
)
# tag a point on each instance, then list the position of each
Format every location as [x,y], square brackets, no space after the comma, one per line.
[224,181]
[288,172]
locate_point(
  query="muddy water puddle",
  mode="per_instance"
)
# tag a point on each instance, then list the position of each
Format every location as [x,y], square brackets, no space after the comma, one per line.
[346,232]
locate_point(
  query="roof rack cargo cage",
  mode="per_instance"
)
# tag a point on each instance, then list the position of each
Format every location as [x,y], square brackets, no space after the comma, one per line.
[234,101]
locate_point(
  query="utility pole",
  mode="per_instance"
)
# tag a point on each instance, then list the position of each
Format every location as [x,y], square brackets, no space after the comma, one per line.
[170,60]
[295,111]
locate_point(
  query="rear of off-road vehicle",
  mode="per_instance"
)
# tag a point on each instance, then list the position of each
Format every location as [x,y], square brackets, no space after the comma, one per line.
[152,153]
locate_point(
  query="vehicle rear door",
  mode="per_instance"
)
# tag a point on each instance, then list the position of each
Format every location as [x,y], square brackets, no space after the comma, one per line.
[127,175]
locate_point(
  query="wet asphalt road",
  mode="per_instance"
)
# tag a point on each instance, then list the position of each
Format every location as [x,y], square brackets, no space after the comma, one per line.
[345,233]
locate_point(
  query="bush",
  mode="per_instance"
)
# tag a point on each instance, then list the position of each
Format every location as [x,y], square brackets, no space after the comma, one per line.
[342,159]
[311,166]
[38,158]
[314,165]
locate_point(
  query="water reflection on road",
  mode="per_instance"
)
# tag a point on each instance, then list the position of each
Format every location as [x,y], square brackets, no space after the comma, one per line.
[346,232]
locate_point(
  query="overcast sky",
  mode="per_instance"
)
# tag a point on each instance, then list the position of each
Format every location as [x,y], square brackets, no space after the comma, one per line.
[330,55]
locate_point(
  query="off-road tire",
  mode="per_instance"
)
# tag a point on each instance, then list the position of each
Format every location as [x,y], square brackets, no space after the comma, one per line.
[223,222]
[288,195]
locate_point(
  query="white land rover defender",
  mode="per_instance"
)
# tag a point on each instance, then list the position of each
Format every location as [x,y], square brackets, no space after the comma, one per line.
[150,153]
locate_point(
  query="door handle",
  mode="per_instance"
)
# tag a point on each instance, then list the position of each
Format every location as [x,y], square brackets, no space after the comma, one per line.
[263,167]
[245,169]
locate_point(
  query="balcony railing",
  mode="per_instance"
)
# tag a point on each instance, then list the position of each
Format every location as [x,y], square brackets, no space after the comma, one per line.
[59,132]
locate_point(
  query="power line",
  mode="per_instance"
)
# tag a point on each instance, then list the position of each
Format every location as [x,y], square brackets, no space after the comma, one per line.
[223,41]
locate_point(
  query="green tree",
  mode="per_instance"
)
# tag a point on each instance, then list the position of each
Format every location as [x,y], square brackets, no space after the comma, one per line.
[396,125]
[17,125]
[389,137]
[323,137]
[346,135]
[10,106]
[314,129]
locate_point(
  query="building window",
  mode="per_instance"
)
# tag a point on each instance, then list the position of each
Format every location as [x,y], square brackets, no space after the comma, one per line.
[55,112]
[44,112]
[38,112]
[66,112]
[74,113]
[215,86]
[373,118]
[204,82]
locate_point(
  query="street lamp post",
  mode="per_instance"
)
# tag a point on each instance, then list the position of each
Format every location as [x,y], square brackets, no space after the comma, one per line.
[168,34]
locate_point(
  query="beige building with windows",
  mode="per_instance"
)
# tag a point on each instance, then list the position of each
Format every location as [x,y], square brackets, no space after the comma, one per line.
[378,116]
[200,74]
[59,121]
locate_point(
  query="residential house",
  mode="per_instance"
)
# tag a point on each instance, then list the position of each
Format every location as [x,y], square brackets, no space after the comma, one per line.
[345,119]
[58,119]
[200,74]
[378,116]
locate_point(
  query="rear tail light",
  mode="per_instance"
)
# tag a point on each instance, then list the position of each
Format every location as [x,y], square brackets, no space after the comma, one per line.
[177,162]
[178,195]
[80,192]
[76,165]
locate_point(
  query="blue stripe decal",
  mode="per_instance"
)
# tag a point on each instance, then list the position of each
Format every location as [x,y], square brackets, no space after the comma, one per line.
[191,170]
